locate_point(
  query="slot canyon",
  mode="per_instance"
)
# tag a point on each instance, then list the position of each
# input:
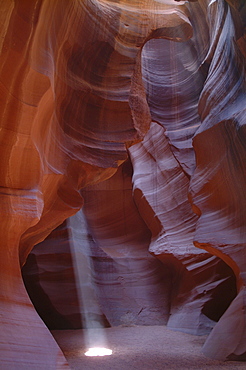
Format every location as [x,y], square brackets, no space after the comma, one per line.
[122,174]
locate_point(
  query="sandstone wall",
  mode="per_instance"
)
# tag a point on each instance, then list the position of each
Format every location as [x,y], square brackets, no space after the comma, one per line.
[87,85]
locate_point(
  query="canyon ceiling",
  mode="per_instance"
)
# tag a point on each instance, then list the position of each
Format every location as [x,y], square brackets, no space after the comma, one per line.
[123,158]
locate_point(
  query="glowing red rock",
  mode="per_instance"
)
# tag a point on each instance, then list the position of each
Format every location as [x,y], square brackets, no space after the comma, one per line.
[80,82]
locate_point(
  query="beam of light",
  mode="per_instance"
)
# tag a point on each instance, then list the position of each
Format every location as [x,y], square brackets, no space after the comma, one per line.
[94,333]
[98,351]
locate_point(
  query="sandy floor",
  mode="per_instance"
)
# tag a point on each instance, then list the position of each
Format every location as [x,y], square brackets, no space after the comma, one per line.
[140,348]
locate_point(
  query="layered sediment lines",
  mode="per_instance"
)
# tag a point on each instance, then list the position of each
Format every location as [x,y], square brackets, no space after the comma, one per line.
[217,186]
[84,87]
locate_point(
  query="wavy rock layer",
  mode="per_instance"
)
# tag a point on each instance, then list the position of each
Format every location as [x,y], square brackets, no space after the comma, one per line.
[183,288]
[80,83]
[217,187]
[69,70]
[160,192]
[214,79]
[133,287]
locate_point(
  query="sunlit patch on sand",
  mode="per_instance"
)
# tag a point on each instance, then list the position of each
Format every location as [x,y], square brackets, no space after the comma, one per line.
[98,351]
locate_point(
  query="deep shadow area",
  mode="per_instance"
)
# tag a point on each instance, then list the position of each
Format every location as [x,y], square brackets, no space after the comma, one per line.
[223,294]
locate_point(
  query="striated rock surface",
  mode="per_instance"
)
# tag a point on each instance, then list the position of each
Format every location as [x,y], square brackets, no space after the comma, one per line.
[81,82]
[214,79]
[161,194]
[69,70]
[217,186]
[132,286]
[184,289]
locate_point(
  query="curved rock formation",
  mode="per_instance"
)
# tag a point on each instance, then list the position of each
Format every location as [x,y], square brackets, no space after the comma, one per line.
[80,84]
[69,70]
[217,186]
[185,289]
[132,286]
[161,194]
[50,280]
[207,72]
